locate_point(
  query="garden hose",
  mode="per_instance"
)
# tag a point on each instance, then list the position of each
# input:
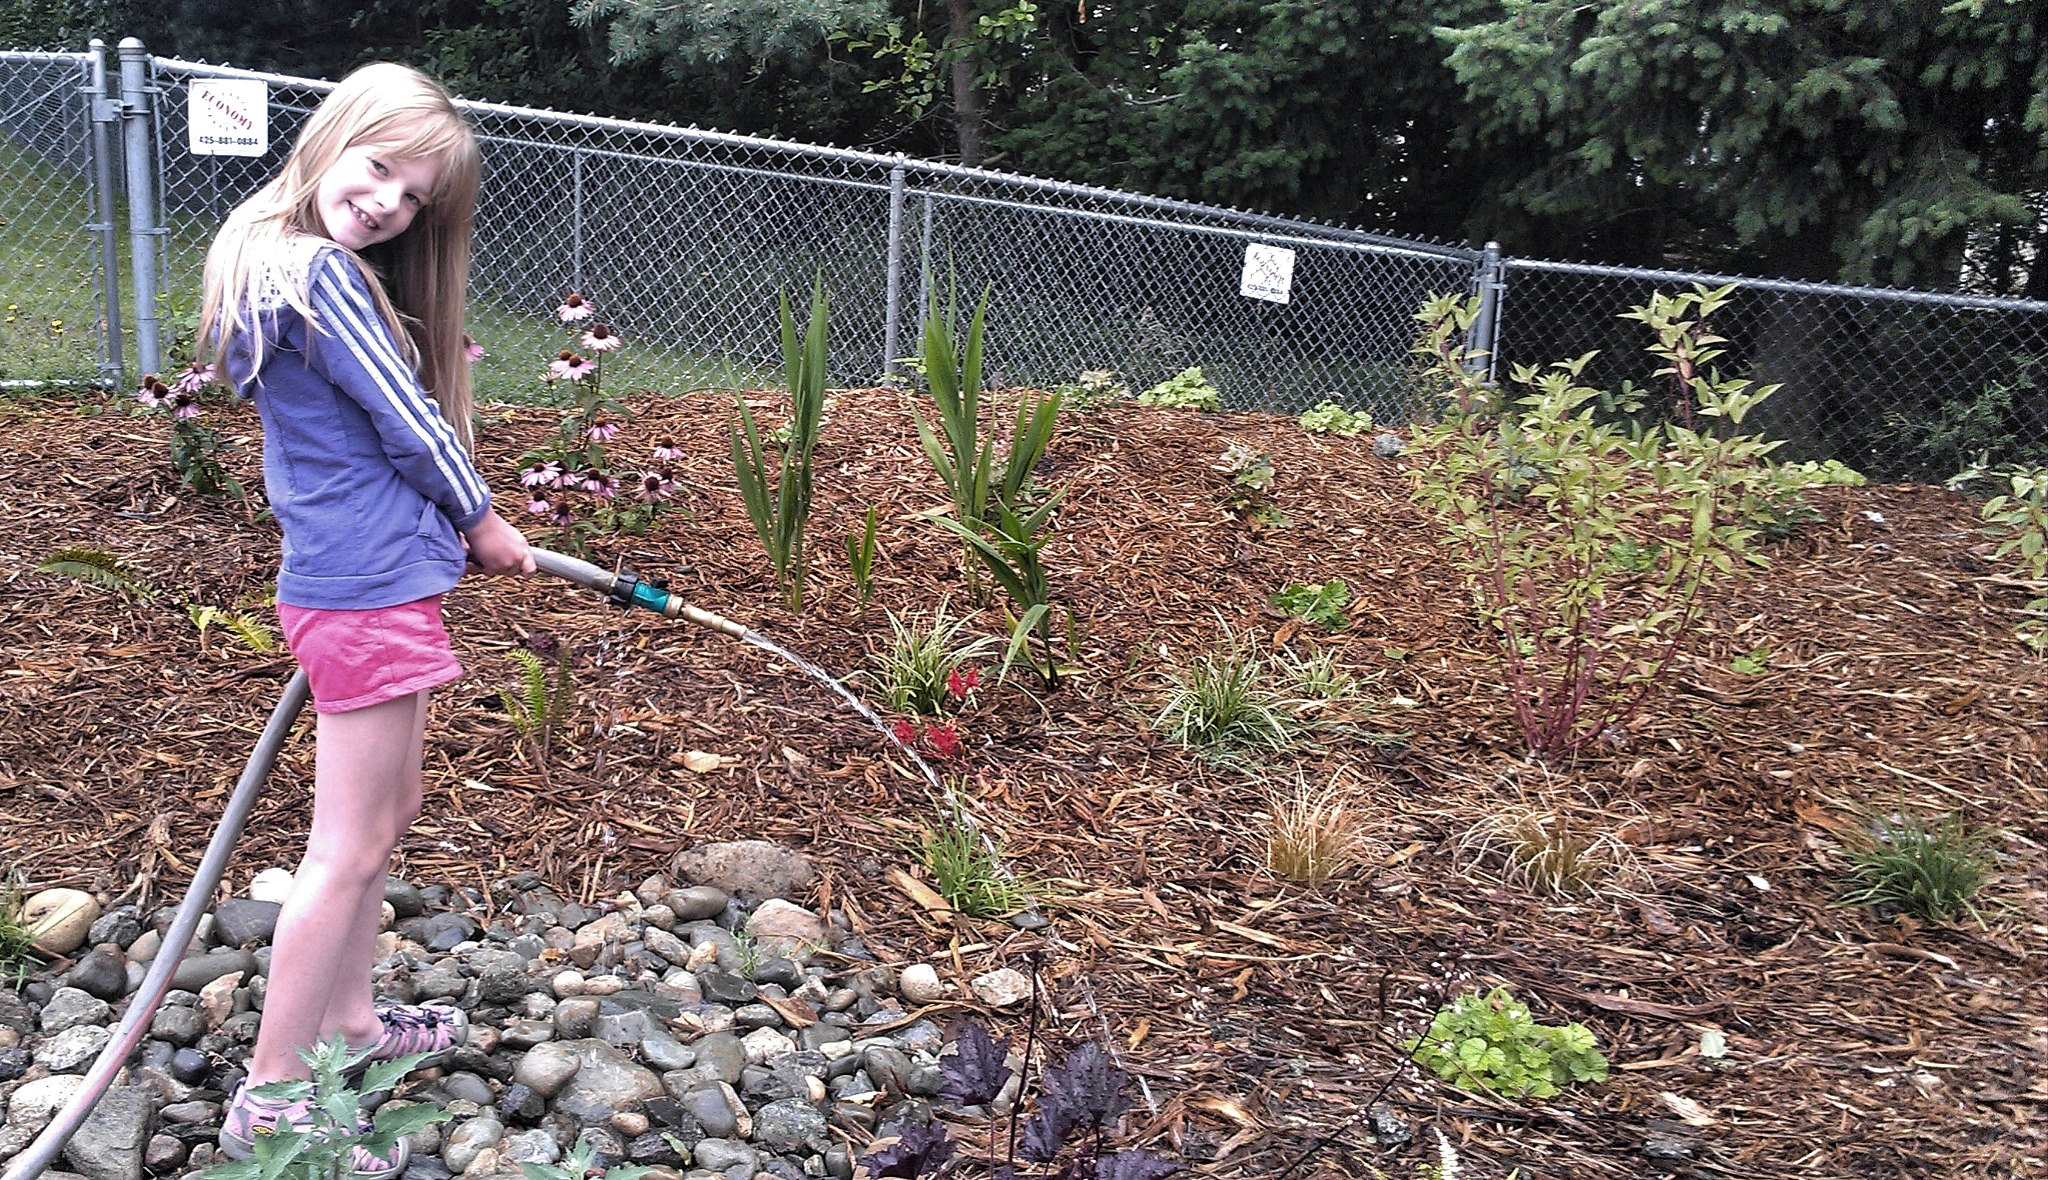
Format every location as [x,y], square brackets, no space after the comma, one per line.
[623,589]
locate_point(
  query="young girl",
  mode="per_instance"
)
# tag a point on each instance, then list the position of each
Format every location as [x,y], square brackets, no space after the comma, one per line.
[334,297]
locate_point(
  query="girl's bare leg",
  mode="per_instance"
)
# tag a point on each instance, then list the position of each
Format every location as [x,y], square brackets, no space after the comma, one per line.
[366,793]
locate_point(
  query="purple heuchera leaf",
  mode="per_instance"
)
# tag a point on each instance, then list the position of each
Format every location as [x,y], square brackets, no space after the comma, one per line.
[1134,1165]
[918,1152]
[1088,1086]
[1046,1130]
[977,1071]
[1083,1092]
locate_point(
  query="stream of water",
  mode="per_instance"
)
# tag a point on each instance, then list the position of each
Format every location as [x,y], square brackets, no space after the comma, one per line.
[859,706]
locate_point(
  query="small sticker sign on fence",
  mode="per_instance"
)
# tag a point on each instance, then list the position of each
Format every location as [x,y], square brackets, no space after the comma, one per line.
[1268,273]
[229,117]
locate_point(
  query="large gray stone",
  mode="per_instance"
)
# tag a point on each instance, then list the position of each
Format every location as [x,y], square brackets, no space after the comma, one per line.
[245,922]
[108,1146]
[790,1125]
[752,870]
[103,973]
[724,1155]
[70,1007]
[195,972]
[606,1081]
[72,1049]
[545,1069]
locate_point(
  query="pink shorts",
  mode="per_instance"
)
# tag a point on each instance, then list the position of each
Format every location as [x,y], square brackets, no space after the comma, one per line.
[359,658]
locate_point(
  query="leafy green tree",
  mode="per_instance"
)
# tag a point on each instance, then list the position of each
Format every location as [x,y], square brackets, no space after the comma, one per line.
[1883,142]
[1341,111]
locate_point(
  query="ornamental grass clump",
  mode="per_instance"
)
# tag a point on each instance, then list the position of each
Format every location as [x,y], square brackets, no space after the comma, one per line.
[1932,871]
[1587,545]
[968,869]
[1313,831]
[1221,707]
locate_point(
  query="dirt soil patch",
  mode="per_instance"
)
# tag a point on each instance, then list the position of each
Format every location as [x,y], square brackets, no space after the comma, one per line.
[1262,1016]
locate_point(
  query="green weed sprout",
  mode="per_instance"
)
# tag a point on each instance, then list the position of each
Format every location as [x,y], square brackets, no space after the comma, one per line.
[968,870]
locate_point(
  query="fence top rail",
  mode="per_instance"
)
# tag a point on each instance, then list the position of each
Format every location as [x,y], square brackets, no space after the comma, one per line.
[1787,286]
[28,57]
[1062,188]
[1397,249]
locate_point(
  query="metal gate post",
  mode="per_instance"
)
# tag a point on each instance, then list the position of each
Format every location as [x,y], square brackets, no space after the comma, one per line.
[892,300]
[1492,282]
[138,113]
[104,112]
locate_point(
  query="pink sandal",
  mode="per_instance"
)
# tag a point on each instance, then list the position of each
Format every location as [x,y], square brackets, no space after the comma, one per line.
[247,1118]
[436,1031]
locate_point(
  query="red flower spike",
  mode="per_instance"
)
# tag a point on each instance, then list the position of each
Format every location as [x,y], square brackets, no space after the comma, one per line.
[905,731]
[960,683]
[944,740]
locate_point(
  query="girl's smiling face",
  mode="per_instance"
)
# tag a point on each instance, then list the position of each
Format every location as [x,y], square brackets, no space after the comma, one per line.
[370,195]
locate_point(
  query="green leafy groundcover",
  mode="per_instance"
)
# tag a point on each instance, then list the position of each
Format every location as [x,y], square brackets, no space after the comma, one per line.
[1491,1041]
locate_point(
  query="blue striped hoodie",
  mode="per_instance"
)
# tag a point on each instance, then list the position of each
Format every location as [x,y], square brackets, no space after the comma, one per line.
[367,479]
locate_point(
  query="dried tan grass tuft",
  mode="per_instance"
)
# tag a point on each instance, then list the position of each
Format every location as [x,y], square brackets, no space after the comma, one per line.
[1314,831]
[1549,850]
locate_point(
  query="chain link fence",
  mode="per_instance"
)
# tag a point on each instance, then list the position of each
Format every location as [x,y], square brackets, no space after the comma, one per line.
[53,222]
[684,238]
[1897,384]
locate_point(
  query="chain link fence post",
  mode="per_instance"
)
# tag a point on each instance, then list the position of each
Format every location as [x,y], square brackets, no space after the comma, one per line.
[892,300]
[138,129]
[1492,281]
[104,112]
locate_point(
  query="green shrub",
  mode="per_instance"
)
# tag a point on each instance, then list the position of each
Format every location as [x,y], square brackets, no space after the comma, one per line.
[1185,390]
[1490,1042]
[1328,417]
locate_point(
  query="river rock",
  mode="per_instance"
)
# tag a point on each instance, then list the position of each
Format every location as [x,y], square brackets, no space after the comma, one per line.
[919,983]
[58,920]
[103,972]
[751,870]
[70,1007]
[108,1145]
[790,1125]
[242,921]
[786,929]
[1005,987]
[606,1080]
[545,1069]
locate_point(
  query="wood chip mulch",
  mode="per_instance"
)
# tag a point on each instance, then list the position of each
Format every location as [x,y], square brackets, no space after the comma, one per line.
[1261,1016]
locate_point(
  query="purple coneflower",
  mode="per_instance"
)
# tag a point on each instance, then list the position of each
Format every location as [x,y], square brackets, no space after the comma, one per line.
[563,517]
[601,339]
[183,405]
[600,429]
[153,392]
[571,367]
[653,487]
[471,349]
[574,309]
[539,506]
[666,451]
[548,474]
[599,484]
[193,378]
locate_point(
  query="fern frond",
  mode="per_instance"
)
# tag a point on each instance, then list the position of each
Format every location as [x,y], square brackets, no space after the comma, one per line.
[254,633]
[99,567]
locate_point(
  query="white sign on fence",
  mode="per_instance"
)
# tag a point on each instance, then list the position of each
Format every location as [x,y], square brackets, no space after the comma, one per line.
[1268,273]
[229,117]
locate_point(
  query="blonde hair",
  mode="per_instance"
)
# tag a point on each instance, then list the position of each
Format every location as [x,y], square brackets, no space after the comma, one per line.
[263,244]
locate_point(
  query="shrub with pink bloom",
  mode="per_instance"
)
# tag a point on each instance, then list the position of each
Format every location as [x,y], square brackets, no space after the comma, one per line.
[195,447]
[570,480]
